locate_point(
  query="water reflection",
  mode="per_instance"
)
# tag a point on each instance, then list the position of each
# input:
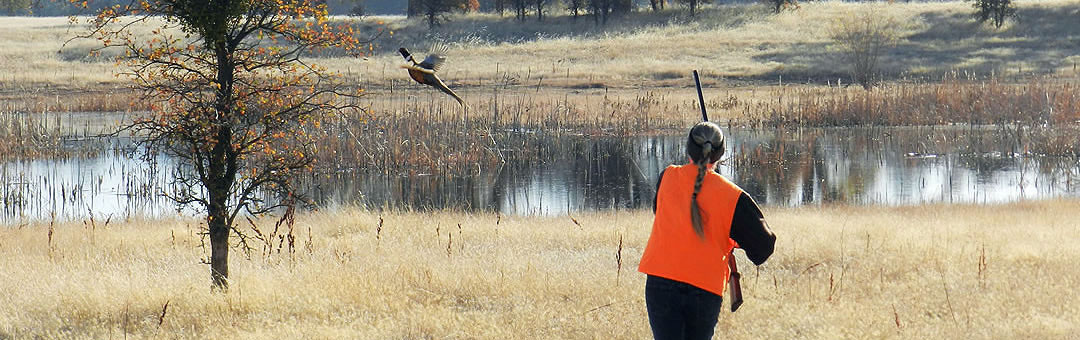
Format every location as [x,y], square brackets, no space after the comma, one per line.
[890,166]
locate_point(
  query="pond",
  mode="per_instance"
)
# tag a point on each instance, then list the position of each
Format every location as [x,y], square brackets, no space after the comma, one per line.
[860,166]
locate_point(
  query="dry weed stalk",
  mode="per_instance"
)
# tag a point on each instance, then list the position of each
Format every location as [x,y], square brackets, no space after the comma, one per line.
[50,244]
[449,244]
[982,266]
[164,309]
[618,261]
[896,317]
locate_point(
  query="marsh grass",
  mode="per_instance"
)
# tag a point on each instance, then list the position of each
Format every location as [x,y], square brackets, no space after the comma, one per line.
[956,98]
[415,129]
[72,100]
[54,135]
[26,136]
[850,272]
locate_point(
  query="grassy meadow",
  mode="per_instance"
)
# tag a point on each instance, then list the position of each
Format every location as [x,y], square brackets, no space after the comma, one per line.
[759,69]
[935,271]
[730,44]
[927,272]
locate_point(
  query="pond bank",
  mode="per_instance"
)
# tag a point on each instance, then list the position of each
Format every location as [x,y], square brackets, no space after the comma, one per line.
[555,174]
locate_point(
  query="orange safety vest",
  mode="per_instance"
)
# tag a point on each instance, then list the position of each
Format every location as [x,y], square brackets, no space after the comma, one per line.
[674,250]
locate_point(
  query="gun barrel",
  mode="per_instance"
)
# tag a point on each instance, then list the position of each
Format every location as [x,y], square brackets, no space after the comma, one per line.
[701,98]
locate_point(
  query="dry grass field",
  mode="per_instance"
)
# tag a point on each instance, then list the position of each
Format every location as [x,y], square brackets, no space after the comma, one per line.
[730,44]
[758,68]
[928,272]
[938,271]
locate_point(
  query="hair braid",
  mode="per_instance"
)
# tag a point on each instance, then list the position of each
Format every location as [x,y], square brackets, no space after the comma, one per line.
[695,209]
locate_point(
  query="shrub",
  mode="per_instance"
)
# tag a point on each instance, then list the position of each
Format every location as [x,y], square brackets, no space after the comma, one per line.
[994,10]
[861,39]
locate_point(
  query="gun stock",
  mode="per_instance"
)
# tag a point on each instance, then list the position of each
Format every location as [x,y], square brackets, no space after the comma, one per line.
[733,283]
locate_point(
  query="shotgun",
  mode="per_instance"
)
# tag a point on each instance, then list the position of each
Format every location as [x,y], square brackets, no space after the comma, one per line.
[733,279]
[733,283]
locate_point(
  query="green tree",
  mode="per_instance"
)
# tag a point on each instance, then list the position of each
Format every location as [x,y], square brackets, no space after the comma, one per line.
[434,10]
[231,99]
[996,11]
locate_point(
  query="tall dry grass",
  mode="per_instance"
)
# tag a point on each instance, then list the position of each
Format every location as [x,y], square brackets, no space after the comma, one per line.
[416,129]
[955,98]
[971,272]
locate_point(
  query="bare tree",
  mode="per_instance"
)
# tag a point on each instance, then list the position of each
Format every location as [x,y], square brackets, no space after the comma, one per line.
[861,39]
[779,5]
[996,11]
[231,99]
[657,5]
[540,4]
[434,10]
[520,6]
[693,5]
[575,7]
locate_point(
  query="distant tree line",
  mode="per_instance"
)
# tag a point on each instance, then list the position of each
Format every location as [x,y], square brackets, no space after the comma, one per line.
[14,7]
[434,11]
[601,10]
[994,11]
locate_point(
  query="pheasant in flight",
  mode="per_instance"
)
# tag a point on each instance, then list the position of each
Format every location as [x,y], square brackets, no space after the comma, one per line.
[424,72]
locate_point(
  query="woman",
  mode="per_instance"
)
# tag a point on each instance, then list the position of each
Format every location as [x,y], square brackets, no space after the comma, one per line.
[700,218]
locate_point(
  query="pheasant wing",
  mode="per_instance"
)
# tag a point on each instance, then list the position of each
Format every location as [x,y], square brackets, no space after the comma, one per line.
[433,62]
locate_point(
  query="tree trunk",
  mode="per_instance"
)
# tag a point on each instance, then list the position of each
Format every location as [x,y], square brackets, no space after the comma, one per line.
[221,174]
[413,8]
[219,247]
[221,170]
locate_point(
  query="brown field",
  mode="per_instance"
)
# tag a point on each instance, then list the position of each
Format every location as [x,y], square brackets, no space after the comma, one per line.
[927,272]
[758,68]
[973,272]
[732,45]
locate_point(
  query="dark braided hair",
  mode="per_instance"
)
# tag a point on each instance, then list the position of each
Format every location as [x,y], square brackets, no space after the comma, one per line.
[704,145]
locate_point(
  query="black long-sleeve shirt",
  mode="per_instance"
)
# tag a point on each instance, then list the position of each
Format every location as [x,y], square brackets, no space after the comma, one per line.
[748,227]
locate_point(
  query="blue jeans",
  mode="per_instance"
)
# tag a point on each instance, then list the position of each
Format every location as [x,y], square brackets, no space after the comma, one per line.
[680,311]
